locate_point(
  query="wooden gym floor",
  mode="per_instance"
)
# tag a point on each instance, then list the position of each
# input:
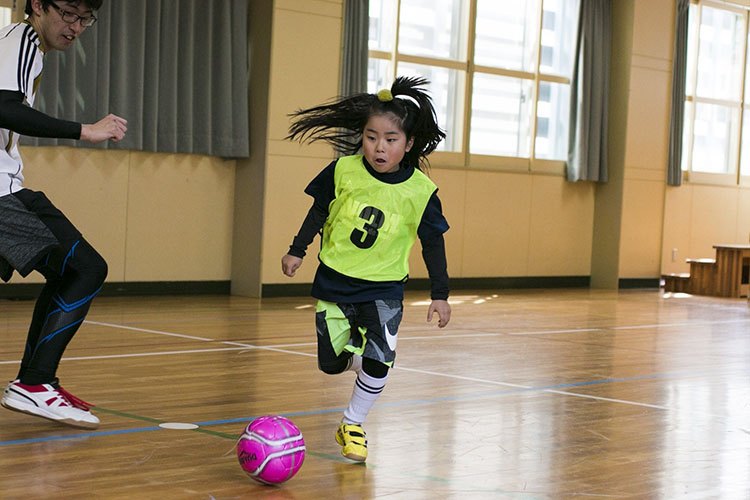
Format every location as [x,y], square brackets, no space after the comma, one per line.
[534,394]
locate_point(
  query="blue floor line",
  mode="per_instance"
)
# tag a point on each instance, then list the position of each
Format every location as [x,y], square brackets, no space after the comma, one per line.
[338,410]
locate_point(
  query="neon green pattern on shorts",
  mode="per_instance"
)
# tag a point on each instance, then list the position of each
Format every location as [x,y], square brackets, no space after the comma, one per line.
[339,328]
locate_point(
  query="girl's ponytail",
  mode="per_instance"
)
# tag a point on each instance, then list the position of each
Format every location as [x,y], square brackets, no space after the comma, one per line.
[341,121]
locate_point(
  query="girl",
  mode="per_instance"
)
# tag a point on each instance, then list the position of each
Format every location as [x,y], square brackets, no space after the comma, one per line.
[370,209]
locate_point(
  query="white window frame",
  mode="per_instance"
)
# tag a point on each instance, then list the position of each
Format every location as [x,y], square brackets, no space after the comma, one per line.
[735,176]
[464,158]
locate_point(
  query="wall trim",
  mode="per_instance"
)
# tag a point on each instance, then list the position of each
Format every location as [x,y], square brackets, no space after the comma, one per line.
[25,291]
[630,283]
[297,290]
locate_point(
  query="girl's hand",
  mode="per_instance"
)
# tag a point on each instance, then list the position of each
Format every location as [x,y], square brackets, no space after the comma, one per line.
[290,264]
[443,310]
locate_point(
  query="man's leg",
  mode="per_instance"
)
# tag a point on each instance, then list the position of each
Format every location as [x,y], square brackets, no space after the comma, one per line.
[60,311]
[75,273]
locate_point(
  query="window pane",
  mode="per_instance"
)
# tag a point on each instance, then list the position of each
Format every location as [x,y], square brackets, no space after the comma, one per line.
[720,51]
[501,116]
[692,49]
[685,164]
[745,157]
[447,92]
[435,28]
[5,14]
[382,25]
[379,75]
[715,138]
[559,25]
[552,115]
[506,34]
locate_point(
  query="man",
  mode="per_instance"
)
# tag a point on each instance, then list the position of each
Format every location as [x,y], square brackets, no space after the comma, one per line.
[34,234]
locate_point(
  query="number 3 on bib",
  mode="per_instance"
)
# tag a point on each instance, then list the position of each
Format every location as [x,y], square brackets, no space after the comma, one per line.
[366,238]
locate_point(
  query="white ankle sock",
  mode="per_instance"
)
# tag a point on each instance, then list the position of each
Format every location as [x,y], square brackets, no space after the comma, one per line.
[366,391]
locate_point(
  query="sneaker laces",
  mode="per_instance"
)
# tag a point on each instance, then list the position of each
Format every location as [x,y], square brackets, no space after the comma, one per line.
[75,400]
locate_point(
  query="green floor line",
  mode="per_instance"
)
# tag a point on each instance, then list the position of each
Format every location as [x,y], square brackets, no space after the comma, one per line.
[339,459]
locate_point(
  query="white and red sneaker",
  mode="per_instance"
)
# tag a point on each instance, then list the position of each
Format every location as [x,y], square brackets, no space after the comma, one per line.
[46,401]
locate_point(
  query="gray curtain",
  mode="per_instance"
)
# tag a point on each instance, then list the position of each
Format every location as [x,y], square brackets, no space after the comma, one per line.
[679,69]
[177,70]
[587,142]
[354,57]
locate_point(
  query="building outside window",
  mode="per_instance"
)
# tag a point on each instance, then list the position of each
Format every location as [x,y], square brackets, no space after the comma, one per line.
[716,134]
[500,74]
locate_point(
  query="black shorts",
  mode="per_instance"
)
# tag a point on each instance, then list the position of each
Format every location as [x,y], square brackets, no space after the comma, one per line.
[369,329]
[33,232]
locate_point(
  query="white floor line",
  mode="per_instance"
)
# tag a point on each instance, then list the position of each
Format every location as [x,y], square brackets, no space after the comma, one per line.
[573,330]
[690,324]
[136,355]
[123,327]
[241,346]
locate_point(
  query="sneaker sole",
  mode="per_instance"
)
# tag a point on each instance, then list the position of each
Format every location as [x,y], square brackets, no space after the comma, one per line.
[350,456]
[38,413]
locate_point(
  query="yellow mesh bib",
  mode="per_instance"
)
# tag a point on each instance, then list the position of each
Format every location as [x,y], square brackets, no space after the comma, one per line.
[371,224]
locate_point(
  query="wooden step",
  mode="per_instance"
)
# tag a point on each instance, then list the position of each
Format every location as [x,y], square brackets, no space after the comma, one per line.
[677,282]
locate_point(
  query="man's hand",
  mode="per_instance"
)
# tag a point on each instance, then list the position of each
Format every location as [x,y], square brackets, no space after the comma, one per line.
[290,264]
[443,310]
[110,127]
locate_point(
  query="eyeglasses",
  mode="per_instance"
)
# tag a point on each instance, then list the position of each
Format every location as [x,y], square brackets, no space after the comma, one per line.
[72,17]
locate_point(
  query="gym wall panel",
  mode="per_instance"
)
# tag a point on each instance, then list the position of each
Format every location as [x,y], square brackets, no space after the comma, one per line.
[90,188]
[496,222]
[286,208]
[179,222]
[561,227]
[452,192]
[152,216]
[714,219]
[305,65]
[646,142]
[648,120]
[640,245]
[653,28]
[743,217]
[678,202]
[305,59]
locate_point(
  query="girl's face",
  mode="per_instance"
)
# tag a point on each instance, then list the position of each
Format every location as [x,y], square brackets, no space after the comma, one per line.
[384,143]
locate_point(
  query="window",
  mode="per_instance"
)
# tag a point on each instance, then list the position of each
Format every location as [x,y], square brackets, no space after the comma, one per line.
[716,133]
[5,15]
[499,71]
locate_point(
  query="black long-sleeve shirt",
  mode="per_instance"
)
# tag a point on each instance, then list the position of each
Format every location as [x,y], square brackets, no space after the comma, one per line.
[25,120]
[335,287]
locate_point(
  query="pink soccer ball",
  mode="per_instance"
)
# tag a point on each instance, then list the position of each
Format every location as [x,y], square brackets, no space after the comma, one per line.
[271,450]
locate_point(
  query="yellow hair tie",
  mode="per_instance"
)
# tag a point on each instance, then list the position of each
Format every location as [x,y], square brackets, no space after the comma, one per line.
[385,95]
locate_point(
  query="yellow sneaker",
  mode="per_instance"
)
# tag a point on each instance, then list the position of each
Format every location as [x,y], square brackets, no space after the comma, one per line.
[354,441]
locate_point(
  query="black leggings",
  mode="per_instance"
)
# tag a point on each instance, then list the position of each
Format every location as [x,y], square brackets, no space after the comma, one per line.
[75,273]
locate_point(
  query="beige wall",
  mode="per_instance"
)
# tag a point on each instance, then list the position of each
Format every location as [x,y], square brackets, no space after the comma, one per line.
[305,60]
[696,216]
[647,138]
[160,217]
[699,216]
[502,224]
[154,217]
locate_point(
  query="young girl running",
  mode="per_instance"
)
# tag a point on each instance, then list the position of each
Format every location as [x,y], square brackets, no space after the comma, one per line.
[370,208]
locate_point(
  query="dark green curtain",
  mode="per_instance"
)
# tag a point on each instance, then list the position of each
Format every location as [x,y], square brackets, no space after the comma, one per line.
[177,70]
[677,114]
[589,90]
[355,51]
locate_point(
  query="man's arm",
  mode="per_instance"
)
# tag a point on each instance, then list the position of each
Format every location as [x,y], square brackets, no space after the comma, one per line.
[22,119]
[25,120]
